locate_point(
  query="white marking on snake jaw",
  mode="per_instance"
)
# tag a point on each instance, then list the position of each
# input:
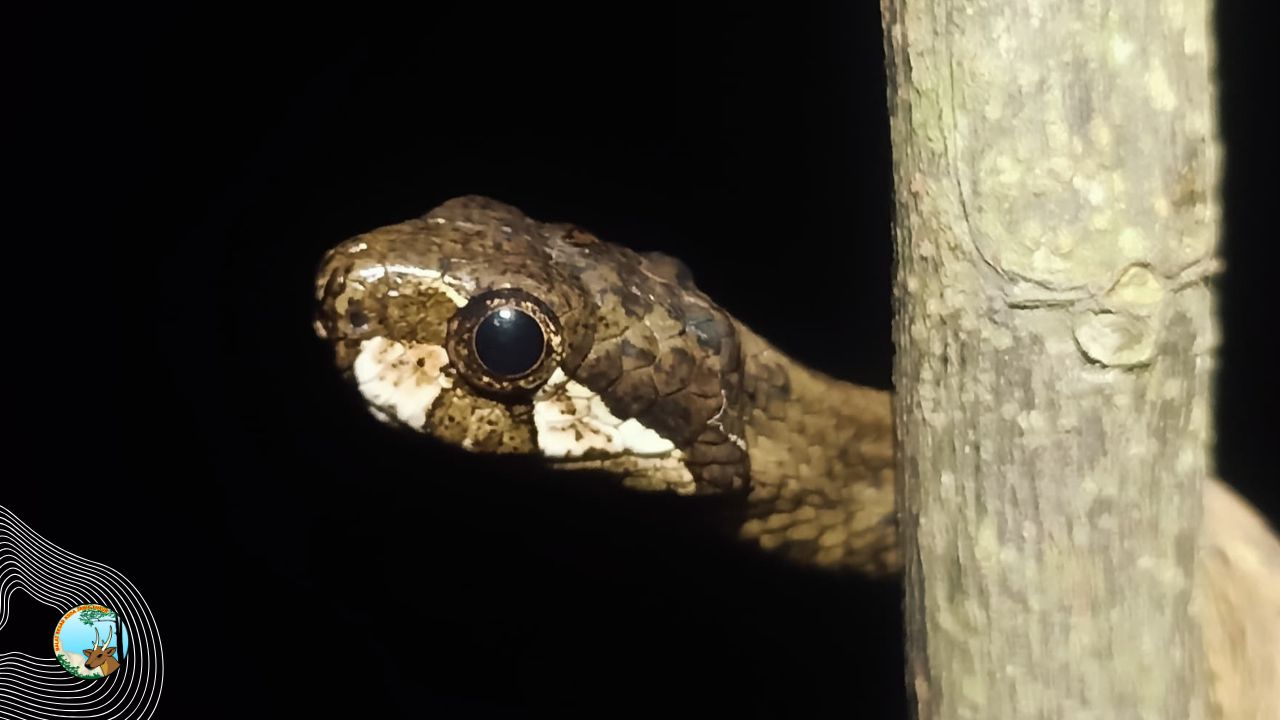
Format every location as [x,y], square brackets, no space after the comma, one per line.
[572,420]
[401,380]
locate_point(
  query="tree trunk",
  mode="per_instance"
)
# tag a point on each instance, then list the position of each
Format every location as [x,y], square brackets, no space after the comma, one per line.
[1056,169]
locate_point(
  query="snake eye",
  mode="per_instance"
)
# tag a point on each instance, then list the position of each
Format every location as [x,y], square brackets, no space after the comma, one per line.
[505,342]
[509,343]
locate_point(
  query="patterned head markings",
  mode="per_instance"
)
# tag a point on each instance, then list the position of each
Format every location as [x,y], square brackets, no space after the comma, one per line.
[499,334]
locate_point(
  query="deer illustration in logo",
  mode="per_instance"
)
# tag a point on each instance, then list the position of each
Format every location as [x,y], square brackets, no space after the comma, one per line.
[101,655]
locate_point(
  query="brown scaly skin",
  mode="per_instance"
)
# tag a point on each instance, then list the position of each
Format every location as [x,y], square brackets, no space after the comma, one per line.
[811,456]
[821,464]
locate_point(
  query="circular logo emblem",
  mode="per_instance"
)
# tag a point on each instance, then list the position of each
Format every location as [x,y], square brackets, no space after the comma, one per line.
[91,641]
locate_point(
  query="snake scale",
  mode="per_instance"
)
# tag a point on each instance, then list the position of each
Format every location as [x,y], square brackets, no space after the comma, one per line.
[491,331]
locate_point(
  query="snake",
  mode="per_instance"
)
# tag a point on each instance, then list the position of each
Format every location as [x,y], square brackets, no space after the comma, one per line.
[497,333]
[488,330]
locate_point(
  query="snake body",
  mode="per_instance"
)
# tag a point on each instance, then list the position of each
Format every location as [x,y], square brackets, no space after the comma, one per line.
[489,330]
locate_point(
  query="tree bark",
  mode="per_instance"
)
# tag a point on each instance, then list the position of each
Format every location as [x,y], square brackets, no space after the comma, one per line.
[1057,170]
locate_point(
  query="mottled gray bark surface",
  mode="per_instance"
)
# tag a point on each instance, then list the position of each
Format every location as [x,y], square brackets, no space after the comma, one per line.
[1056,173]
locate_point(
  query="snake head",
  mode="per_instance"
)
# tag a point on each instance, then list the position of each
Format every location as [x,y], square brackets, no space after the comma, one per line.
[487,330]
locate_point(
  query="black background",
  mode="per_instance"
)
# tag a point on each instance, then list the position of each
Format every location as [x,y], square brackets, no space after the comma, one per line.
[175,178]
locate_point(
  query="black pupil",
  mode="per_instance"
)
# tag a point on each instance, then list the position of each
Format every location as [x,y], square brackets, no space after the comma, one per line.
[509,342]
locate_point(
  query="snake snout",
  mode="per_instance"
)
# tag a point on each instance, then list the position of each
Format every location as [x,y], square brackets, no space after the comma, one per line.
[331,280]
